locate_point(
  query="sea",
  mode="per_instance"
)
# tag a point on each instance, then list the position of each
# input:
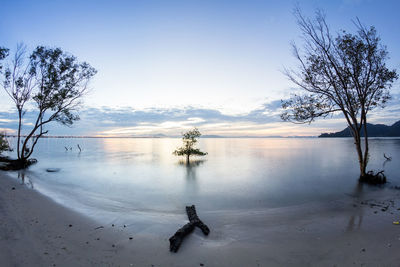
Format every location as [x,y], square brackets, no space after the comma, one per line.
[126,180]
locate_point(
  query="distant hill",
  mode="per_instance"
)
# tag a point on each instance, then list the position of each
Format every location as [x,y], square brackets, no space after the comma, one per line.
[374,130]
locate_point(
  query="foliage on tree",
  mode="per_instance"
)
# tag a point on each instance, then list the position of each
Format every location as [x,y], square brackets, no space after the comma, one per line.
[3,55]
[52,81]
[4,145]
[188,149]
[345,74]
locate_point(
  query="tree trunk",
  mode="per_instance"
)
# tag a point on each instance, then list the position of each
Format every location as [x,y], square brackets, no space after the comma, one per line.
[19,133]
[360,158]
[357,140]
[187,158]
[366,147]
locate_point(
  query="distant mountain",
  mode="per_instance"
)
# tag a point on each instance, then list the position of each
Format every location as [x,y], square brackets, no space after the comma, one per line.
[374,130]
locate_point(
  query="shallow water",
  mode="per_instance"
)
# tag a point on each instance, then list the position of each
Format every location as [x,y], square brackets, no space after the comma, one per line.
[115,179]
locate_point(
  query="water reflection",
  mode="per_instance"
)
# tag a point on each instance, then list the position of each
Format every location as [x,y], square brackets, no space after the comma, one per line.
[238,174]
[191,184]
[356,218]
[28,182]
[191,168]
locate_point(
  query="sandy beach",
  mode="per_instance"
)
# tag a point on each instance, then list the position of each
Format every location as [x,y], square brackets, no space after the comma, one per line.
[354,231]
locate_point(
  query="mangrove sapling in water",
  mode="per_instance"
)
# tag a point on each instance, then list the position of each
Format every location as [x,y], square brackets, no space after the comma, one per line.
[189,141]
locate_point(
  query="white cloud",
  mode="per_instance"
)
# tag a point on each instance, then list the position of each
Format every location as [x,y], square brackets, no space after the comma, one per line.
[262,121]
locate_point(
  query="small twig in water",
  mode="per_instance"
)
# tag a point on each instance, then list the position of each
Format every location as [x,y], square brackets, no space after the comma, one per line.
[386,157]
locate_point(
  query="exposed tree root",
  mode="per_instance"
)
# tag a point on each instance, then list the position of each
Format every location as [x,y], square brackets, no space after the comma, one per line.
[15,164]
[374,179]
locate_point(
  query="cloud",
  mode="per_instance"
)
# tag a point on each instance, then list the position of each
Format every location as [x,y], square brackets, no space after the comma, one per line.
[127,121]
[130,121]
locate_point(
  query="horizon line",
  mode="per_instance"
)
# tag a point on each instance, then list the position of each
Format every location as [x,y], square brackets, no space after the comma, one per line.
[166,136]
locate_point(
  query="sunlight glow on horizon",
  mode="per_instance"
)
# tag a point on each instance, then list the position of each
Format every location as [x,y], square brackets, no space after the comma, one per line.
[157,60]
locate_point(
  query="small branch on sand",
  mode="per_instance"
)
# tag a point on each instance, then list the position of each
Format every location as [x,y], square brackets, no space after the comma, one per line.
[176,240]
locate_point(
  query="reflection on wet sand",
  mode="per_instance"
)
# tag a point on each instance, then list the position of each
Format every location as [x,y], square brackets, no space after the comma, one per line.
[356,217]
[21,175]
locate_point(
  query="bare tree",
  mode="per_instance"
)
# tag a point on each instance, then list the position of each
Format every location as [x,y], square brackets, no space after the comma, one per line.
[345,74]
[18,84]
[54,82]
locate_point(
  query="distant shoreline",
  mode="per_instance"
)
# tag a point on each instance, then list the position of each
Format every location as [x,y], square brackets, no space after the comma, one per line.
[374,130]
[204,137]
[160,137]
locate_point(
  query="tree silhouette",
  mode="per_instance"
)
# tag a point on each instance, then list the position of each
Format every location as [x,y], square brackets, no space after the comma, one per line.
[54,82]
[346,74]
[4,145]
[189,139]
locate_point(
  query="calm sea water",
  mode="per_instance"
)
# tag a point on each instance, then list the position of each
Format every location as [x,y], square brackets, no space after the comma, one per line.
[118,178]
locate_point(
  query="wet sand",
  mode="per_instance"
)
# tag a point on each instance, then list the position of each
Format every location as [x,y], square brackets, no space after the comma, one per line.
[357,230]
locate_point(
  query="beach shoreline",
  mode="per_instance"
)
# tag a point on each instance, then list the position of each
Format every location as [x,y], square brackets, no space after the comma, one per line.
[357,231]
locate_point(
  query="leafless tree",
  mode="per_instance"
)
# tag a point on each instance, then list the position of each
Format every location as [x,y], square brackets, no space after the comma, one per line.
[344,74]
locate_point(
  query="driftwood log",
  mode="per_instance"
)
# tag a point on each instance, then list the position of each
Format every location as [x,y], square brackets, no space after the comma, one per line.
[193,218]
[175,241]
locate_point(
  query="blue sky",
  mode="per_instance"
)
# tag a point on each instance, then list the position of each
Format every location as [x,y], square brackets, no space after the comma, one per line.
[164,66]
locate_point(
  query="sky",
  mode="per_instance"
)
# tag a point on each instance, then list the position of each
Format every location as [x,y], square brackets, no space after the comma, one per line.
[167,66]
